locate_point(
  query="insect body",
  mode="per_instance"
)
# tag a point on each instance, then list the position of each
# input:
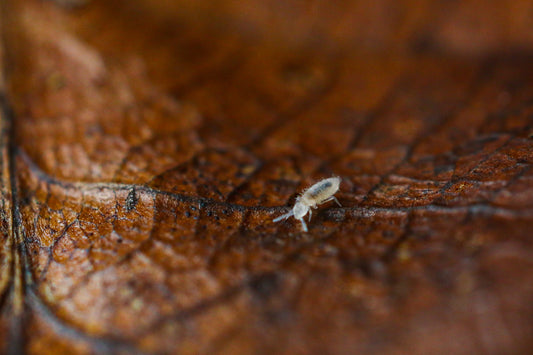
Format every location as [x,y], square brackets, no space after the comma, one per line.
[319,193]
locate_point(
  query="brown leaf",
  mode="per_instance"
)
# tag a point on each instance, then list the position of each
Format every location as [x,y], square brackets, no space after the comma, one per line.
[151,143]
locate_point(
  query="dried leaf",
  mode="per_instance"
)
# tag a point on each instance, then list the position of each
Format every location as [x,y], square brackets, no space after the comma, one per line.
[151,143]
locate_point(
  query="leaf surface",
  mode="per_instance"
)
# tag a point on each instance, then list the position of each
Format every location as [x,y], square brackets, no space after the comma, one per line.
[146,147]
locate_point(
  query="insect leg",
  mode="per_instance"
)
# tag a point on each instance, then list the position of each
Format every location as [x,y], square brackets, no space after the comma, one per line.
[283,216]
[310,214]
[334,199]
[304,226]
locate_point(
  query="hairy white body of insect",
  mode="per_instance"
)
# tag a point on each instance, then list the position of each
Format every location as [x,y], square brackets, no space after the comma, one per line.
[319,193]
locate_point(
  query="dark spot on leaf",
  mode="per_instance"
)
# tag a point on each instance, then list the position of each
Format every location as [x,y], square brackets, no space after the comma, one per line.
[131,200]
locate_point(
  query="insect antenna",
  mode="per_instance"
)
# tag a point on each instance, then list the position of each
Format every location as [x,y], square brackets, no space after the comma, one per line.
[283,216]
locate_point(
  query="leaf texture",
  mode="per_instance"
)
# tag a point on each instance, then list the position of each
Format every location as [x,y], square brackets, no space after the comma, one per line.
[146,147]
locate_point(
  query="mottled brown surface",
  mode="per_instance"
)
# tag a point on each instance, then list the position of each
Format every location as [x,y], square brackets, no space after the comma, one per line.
[146,147]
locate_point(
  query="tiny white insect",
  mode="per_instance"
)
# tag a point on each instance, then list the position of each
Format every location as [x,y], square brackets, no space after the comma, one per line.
[319,193]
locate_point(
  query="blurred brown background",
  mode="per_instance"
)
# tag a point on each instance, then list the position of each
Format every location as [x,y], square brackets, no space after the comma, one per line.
[146,147]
